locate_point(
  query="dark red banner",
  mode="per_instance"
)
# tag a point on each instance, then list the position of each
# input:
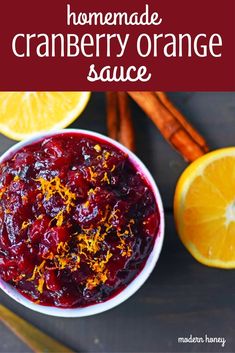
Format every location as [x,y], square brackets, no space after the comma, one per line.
[105,45]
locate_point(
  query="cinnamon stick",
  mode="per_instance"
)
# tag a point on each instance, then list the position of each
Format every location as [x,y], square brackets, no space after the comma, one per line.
[119,120]
[179,116]
[112,114]
[171,128]
[126,129]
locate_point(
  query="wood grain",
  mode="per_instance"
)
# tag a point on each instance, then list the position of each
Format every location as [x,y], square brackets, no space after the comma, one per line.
[181,297]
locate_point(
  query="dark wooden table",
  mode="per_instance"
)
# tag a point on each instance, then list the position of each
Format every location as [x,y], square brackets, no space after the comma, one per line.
[181,297]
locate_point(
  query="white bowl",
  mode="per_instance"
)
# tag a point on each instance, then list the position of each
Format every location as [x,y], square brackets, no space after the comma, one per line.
[138,281]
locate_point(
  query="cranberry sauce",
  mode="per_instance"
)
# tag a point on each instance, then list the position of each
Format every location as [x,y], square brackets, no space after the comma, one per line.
[77,221]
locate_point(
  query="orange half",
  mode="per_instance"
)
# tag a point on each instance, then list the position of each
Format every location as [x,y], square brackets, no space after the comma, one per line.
[204,208]
[23,114]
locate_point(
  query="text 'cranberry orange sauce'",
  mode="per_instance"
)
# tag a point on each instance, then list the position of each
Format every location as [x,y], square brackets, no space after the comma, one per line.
[77,220]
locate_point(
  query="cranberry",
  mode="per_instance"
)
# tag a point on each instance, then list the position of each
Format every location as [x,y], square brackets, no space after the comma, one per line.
[86,149]
[44,251]
[26,263]
[52,281]
[116,263]
[59,156]
[118,214]
[29,195]
[95,208]
[4,241]
[39,228]
[17,186]
[23,158]
[53,237]
[18,249]
[6,179]
[9,270]
[151,224]
[77,183]
[53,148]
[87,214]
[134,193]
[53,206]
[80,275]
[69,299]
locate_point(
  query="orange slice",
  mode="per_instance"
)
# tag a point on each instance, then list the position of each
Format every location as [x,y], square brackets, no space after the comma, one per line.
[204,208]
[23,114]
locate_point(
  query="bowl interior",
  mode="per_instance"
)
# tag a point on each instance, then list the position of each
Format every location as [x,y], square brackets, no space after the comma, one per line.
[138,281]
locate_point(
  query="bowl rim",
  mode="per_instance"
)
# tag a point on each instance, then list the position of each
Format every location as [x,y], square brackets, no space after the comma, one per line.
[139,280]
